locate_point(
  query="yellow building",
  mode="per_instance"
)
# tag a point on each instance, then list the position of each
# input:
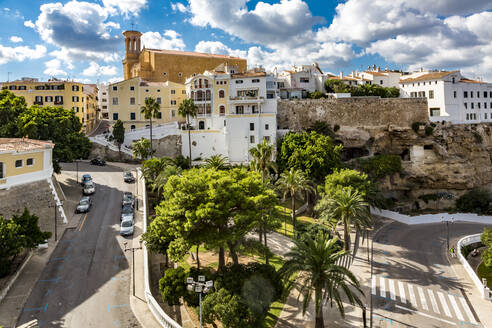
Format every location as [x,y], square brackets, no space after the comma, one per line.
[59,93]
[169,65]
[127,97]
[24,160]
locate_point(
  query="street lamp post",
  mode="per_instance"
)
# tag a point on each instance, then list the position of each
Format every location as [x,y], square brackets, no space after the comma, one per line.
[133,259]
[200,287]
[447,229]
[136,182]
[55,207]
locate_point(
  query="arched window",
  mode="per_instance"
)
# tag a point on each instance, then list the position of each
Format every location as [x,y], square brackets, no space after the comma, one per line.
[221,94]
[199,95]
[195,84]
[201,125]
[2,173]
[206,83]
[199,83]
[221,110]
[193,94]
[208,94]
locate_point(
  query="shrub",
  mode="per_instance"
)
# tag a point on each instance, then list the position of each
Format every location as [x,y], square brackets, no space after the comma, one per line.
[173,286]
[475,201]
[381,165]
[426,198]
[316,95]
[487,241]
[416,126]
[323,128]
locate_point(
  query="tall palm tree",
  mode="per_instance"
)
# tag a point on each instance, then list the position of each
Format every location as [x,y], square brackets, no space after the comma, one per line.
[141,149]
[262,159]
[188,109]
[347,206]
[317,259]
[161,180]
[293,183]
[216,162]
[150,110]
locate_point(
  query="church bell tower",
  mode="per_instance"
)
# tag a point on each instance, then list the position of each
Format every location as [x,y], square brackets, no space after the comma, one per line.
[132,52]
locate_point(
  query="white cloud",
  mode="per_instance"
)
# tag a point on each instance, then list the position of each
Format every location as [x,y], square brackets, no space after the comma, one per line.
[95,69]
[114,80]
[170,39]
[21,53]
[217,47]
[29,23]
[125,7]
[15,39]
[178,6]
[53,68]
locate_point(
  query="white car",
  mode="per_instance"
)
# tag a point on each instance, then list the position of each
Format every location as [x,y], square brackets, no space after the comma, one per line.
[89,188]
[126,227]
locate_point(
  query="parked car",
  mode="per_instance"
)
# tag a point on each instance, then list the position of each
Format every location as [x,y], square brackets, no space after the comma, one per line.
[89,188]
[85,178]
[128,199]
[126,212]
[128,177]
[126,227]
[98,161]
[84,205]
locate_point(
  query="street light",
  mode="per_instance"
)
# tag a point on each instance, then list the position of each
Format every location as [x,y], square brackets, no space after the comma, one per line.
[136,182]
[200,287]
[447,229]
[133,259]
[57,204]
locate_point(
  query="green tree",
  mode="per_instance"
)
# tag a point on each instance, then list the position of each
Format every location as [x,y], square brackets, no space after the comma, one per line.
[10,244]
[262,161]
[163,177]
[318,258]
[173,285]
[323,128]
[151,110]
[188,109]
[293,183]
[228,309]
[152,167]
[486,239]
[141,149]
[347,206]
[11,107]
[337,86]
[30,233]
[119,134]
[316,95]
[217,162]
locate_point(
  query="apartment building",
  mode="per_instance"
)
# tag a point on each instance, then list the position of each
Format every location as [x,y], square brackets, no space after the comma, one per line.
[125,99]
[62,93]
[236,111]
[450,96]
[102,100]
[298,81]
[376,76]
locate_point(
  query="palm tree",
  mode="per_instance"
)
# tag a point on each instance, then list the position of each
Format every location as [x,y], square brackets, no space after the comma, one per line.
[317,259]
[262,159]
[150,110]
[293,183]
[163,176]
[141,149]
[216,162]
[347,206]
[188,109]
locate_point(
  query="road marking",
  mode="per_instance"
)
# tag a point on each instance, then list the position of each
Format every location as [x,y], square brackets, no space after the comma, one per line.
[382,287]
[392,289]
[413,300]
[422,298]
[374,282]
[56,280]
[468,311]
[43,308]
[425,315]
[83,221]
[402,292]
[444,304]
[456,308]
[433,301]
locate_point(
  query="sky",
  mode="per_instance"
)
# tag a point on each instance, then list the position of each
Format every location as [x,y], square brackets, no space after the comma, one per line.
[83,40]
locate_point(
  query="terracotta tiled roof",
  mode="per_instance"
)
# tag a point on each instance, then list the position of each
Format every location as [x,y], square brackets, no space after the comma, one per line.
[190,53]
[375,73]
[249,74]
[428,77]
[23,144]
[465,80]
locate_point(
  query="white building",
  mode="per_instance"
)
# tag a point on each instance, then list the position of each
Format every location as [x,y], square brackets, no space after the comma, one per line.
[236,111]
[102,100]
[297,82]
[376,76]
[450,96]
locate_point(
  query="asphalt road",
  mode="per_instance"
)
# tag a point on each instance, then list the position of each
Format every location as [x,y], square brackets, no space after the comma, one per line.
[87,280]
[413,284]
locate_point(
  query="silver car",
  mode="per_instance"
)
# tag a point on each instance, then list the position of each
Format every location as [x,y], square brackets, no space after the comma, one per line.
[89,188]
[126,227]
[84,205]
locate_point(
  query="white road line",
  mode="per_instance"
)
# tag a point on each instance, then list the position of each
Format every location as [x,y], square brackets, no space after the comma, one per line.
[433,301]
[456,308]
[374,282]
[382,287]
[467,310]
[425,315]
[402,292]
[444,304]
[413,300]
[422,298]
[392,289]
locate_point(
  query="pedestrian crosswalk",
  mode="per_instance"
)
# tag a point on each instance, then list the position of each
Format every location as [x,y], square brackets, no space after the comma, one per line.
[416,298]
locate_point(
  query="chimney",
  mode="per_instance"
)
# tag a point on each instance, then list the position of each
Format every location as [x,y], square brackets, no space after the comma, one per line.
[379,69]
[341,75]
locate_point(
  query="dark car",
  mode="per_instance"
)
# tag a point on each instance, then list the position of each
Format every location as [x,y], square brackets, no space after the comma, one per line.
[127,199]
[98,161]
[128,177]
[85,178]
[126,212]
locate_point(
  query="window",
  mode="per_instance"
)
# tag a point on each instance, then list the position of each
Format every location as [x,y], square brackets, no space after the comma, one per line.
[466,105]
[478,94]
[22,87]
[18,163]
[12,87]
[183,92]
[173,113]
[76,109]
[58,100]
[485,94]
[173,102]
[266,138]
[224,122]
[435,111]
[256,81]
[206,83]
[431,94]
[133,116]
[267,126]
[471,94]
[159,100]
[485,116]
[48,99]
[467,116]
[180,74]
[478,104]
[252,139]
[173,92]
[115,88]
[454,80]
[251,126]
[221,94]
[146,90]
[472,105]
[2,175]
[30,162]
[104,93]
[239,81]
[164,73]
[132,127]
[454,94]
[485,105]
[115,100]
[304,80]
[465,94]
[201,125]
[38,100]
[221,110]
[239,109]
[115,116]
[75,88]
[132,88]
[159,115]
[132,100]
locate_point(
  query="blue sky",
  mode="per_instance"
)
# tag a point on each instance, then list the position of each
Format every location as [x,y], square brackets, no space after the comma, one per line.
[82,40]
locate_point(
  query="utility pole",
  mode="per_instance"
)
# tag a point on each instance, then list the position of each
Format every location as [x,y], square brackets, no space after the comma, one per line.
[136,182]
[133,259]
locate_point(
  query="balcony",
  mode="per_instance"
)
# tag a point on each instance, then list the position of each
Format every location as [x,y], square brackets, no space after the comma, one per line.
[246,99]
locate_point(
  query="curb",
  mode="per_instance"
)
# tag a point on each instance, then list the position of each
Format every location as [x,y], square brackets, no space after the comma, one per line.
[5,291]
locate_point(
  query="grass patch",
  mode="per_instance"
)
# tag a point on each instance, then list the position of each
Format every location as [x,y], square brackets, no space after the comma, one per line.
[484,271]
[286,227]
